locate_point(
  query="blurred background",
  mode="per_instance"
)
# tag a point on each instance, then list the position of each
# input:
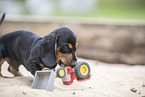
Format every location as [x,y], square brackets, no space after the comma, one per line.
[121,9]
[108,30]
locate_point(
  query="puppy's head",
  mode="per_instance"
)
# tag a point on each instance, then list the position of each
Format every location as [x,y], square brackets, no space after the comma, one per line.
[59,47]
[66,47]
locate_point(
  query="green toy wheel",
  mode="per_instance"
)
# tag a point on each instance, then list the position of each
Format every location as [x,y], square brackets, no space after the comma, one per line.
[61,72]
[82,70]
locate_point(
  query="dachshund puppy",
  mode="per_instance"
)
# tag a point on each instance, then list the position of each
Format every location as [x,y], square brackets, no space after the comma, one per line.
[35,52]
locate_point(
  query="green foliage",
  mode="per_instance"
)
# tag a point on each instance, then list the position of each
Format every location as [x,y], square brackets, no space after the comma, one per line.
[118,9]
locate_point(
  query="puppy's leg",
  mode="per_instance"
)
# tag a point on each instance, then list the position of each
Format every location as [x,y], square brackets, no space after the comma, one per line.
[14,67]
[14,72]
[1,57]
[1,62]
[34,67]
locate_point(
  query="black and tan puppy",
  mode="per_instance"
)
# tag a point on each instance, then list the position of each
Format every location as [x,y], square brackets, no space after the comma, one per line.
[35,52]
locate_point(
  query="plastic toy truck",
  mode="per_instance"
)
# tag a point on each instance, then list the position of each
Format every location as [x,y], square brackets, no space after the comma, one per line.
[81,72]
[45,79]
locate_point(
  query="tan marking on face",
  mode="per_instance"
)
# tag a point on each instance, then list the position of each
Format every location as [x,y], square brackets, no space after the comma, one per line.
[76,45]
[64,58]
[70,46]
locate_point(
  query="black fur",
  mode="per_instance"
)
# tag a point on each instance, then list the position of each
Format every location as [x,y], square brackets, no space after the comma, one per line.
[24,47]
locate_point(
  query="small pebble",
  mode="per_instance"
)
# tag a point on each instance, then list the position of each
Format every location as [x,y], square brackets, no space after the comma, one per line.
[133,90]
[74,93]
[143,85]
[139,92]
[89,87]
[24,92]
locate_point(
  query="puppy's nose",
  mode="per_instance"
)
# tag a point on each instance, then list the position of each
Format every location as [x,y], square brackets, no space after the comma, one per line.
[73,64]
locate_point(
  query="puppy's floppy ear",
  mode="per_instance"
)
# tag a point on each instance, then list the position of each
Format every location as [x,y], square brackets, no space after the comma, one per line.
[47,51]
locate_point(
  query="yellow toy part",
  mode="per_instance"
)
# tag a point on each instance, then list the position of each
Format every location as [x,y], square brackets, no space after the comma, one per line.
[61,72]
[84,70]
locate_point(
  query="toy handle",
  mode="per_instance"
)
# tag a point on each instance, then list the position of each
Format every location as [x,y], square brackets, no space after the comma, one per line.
[44,69]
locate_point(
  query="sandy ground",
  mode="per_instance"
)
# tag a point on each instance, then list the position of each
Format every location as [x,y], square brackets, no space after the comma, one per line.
[107,80]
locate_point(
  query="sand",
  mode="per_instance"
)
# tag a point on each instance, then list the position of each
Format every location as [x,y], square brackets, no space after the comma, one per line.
[108,80]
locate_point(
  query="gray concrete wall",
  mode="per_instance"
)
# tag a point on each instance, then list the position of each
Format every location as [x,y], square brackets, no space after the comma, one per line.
[105,40]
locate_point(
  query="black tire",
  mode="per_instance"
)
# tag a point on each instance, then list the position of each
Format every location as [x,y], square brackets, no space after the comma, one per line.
[58,72]
[78,73]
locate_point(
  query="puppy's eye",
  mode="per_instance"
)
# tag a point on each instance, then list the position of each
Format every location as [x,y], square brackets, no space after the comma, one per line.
[65,48]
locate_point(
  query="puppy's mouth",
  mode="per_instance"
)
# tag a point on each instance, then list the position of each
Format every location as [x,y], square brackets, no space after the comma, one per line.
[64,59]
[65,62]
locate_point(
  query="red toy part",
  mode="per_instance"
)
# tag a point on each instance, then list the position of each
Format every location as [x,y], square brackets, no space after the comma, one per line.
[69,70]
[81,73]
[70,76]
[81,80]
[67,82]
